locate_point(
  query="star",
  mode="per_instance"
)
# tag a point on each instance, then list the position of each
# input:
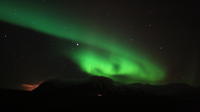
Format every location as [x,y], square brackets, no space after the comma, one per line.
[3,37]
[161,48]
[77,44]
[132,39]
[148,25]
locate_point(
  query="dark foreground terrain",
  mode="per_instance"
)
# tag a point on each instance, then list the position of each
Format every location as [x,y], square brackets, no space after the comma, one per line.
[101,92]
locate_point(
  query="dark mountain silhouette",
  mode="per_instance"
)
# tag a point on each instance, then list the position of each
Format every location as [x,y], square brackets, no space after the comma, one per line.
[104,86]
[99,90]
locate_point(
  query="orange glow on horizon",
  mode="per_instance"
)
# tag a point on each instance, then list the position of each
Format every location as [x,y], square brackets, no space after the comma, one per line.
[30,87]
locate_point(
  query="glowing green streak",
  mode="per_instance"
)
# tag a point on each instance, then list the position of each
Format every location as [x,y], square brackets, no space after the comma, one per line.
[107,58]
[118,67]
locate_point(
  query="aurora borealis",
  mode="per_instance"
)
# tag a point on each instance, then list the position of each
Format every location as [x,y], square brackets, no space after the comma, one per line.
[102,57]
[111,65]
[128,42]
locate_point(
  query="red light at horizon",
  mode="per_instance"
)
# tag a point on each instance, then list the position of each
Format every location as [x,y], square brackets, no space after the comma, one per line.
[30,87]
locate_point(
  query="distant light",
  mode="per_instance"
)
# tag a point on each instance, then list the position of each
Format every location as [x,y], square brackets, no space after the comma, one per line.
[99,94]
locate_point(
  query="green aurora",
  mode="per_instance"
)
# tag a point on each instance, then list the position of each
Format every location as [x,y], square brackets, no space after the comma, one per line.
[103,55]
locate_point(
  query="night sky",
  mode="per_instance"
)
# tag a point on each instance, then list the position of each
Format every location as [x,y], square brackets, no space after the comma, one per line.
[127,41]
